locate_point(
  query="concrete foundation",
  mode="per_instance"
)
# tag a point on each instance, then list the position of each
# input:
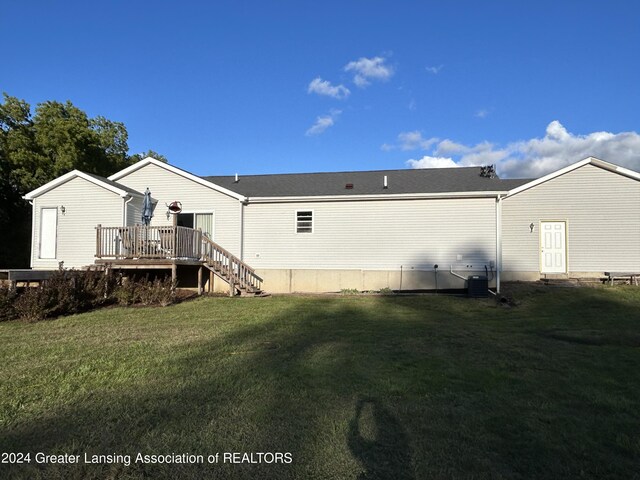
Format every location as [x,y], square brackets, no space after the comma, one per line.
[535,276]
[320,281]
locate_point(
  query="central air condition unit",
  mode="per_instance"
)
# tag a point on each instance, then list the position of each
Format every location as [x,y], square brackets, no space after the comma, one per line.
[478,286]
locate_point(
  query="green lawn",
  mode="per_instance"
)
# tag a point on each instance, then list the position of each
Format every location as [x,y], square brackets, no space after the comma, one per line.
[352,386]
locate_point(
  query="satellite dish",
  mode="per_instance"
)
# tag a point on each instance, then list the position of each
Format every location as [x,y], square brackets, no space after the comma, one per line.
[175,207]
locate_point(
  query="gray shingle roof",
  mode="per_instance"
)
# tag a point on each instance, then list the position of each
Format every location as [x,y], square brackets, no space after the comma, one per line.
[114,184]
[428,180]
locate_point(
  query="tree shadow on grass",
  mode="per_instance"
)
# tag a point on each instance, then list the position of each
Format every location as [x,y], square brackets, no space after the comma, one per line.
[379,441]
[439,389]
[231,393]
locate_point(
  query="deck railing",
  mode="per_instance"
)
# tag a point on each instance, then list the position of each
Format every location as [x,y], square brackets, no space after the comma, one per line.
[223,261]
[140,241]
[168,242]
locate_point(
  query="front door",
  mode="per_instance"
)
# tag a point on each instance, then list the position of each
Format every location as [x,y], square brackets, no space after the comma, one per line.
[48,232]
[553,247]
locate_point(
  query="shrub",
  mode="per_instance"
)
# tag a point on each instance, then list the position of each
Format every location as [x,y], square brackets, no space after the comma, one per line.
[145,291]
[33,304]
[127,292]
[73,291]
[349,291]
[157,292]
[64,292]
[7,300]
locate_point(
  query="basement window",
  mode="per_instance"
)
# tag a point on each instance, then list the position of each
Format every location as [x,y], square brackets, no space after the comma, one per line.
[304,221]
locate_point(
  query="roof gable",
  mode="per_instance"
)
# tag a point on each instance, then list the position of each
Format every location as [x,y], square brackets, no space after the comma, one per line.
[110,185]
[177,171]
[574,166]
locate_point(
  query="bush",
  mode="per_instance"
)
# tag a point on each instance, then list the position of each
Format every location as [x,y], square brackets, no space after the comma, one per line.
[33,304]
[73,291]
[65,292]
[127,292]
[7,303]
[349,291]
[147,292]
[157,292]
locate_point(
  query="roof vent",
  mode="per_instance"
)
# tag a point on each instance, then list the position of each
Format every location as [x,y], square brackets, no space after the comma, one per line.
[488,171]
[385,183]
[349,186]
[236,180]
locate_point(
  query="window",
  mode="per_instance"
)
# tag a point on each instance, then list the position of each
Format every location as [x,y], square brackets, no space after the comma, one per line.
[304,221]
[197,220]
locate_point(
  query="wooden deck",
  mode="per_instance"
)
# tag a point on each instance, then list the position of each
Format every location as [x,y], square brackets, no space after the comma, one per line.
[147,263]
[169,247]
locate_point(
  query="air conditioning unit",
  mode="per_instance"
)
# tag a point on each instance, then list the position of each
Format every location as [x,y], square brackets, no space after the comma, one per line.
[478,286]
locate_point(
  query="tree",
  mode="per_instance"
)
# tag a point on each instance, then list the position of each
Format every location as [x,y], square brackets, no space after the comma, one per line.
[35,149]
[149,153]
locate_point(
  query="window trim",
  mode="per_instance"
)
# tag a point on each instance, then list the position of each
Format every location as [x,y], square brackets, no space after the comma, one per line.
[295,223]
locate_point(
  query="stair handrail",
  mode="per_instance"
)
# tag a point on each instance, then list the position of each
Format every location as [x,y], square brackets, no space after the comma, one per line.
[244,270]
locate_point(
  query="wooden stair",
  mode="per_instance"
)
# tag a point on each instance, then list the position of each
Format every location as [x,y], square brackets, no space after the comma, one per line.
[242,279]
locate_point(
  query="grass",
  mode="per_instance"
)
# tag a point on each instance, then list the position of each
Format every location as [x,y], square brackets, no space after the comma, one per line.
[353,386]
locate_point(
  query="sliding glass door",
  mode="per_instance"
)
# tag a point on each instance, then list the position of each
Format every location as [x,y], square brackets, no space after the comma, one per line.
[197,220]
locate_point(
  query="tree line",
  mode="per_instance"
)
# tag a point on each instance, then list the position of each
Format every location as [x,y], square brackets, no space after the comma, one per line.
[38,145]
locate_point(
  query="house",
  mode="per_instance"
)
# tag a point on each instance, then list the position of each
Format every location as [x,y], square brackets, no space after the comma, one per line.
[318,232]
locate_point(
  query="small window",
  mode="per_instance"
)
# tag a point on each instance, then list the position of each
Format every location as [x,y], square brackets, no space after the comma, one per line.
[304,221]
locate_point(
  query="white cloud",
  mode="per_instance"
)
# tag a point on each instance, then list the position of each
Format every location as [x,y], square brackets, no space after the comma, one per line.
[386,147]
[367,69]
[323,122]
[447,147]
[434,70]
[433,162]
[410,141]
[324,87]
[481,113]
[534,157]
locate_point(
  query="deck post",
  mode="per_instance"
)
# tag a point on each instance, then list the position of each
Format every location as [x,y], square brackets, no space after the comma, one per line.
[200,280]
[174,275]
[98,242]
[211,277]
[175,235]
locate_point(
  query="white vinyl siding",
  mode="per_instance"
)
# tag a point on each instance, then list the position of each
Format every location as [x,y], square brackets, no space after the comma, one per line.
[166,186]
[380,234]
[86,205]
[602,214]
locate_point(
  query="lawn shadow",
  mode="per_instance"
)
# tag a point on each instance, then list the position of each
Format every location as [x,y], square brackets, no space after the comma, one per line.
[395,387]
[379,442]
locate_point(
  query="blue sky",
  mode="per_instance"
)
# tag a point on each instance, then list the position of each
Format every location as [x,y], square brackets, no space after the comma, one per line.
[225,87]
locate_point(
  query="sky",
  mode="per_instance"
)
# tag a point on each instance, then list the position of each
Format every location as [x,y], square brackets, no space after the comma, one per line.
[250,87]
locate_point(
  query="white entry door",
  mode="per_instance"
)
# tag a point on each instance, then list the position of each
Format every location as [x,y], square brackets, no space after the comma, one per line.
[553,247]
[48,232]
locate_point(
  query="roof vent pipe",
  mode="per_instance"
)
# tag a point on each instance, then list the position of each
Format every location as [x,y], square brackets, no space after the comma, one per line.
[236,180]
[385,184]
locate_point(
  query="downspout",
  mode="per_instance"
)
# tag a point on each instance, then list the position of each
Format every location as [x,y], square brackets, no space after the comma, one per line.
[242,230]
[498,241]
[124,209]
